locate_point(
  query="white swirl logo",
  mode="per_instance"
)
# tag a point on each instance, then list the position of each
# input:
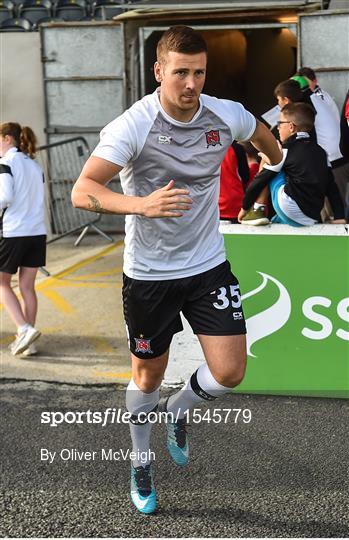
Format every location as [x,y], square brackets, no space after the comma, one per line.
[271,319]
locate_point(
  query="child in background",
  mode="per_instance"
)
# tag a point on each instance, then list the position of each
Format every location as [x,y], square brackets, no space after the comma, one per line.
[298,191]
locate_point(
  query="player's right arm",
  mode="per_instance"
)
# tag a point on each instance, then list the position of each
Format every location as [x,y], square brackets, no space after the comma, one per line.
[90,192]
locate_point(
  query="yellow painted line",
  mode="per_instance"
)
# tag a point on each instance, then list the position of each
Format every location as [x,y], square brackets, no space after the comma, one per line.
[101,345]
[7,340]
[49,281]
[52,329]
[76,285]
[98,274]
[110,374]
[59,302]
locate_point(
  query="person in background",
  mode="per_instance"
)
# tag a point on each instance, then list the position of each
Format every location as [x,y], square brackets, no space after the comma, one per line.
[290,91]
[234,178]
[23,239]
[298,191]
[310,77]
[331,127]
[327,123]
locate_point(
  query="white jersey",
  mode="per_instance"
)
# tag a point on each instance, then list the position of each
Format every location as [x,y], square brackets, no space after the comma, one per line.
[22,195]
[153,149]
[327,123]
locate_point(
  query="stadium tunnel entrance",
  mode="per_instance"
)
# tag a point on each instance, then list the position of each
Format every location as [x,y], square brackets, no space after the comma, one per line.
[245,62]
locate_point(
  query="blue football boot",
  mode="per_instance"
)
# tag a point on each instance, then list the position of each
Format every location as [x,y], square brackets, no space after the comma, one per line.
[177,441]
[143,494]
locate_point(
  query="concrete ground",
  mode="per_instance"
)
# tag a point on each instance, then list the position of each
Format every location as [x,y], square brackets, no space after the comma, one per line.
[83,334]
[283,474]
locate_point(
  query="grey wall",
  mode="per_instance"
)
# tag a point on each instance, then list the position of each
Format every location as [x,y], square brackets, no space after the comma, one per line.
[22,97]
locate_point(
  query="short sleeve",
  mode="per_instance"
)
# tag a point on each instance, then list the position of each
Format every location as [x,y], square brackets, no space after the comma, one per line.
[244,124]
[118,141]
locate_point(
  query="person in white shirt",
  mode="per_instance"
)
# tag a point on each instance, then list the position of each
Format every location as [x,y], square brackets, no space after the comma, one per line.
[168,148]
[328,130]
[310,76]
[23,231]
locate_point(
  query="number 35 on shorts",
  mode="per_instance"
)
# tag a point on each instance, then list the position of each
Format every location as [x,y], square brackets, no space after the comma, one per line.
[227,296]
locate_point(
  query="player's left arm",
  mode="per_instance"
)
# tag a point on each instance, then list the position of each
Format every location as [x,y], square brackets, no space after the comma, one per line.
[265,142]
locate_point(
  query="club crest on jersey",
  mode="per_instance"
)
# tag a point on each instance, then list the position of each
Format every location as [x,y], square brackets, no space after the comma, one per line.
[213,137]
[143,345]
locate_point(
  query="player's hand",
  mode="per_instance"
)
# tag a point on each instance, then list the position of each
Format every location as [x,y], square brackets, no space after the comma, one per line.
[241,215]
[166,202]
[264,159]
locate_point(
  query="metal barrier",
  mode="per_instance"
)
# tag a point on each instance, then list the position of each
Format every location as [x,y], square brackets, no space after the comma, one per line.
[62,163]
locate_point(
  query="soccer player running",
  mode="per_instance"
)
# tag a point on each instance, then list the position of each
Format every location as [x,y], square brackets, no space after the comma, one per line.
[168,148]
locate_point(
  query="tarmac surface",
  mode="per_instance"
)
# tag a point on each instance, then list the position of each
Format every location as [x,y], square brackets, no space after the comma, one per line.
[283,474]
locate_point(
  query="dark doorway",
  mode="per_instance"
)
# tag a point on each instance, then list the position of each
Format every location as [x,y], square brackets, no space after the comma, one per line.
[243,65]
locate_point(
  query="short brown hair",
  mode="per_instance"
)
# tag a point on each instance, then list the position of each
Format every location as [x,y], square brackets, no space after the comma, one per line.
[289,89]
[301,114]
[181,39]
[307,72]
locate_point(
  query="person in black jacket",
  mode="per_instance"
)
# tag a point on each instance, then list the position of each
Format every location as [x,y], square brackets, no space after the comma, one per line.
[299,190]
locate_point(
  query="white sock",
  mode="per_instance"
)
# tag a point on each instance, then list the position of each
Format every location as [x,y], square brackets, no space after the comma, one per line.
[257,205]
[23,328]
[187,398]
[137,402]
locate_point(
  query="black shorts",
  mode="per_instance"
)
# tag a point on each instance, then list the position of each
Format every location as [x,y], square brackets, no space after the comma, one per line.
[210,301]
[19,251]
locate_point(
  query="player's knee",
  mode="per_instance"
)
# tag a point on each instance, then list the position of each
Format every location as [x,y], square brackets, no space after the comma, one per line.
[233,376]
[147,385]
[148,380]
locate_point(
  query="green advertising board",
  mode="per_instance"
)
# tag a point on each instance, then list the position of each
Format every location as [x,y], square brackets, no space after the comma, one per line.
[295,291]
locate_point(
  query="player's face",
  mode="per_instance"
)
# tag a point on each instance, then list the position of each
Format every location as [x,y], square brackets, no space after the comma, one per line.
[182,77]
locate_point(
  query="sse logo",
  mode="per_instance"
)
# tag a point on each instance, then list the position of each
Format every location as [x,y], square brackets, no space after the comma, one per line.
[272,319]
